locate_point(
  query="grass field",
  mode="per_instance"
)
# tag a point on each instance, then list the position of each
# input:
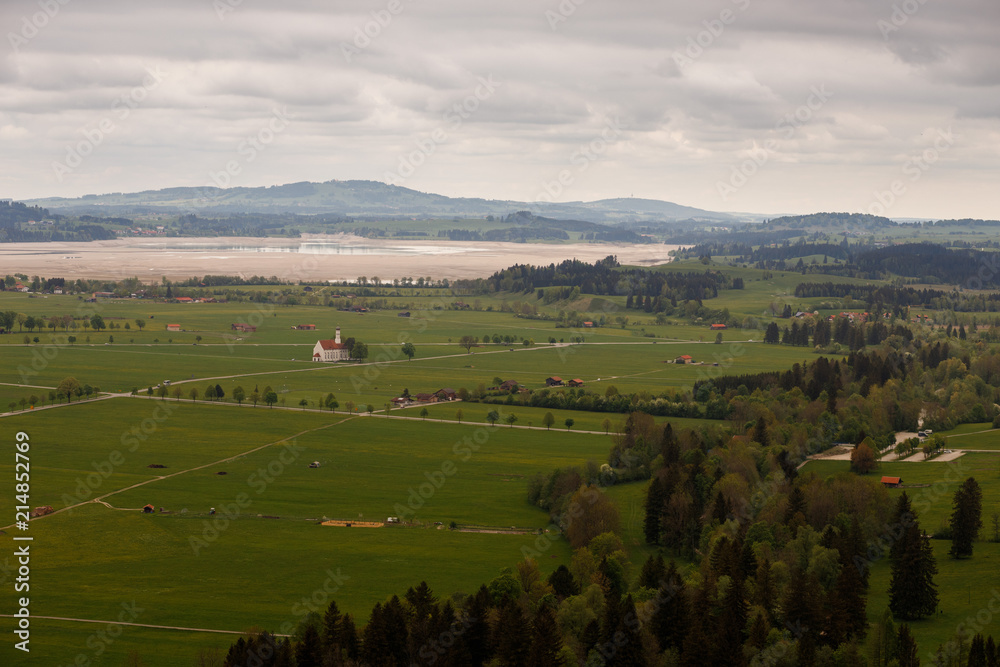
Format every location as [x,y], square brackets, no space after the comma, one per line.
[263,554]
[178,565]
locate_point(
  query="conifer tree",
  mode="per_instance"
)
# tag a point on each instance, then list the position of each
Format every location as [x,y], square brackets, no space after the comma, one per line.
[966,518]
[765,591]
[669,622]
[563,583]
[349,642]
[628,648]
[546,640]
[732,621]
[375,643]
[331,625]
[912,591]
[803,607]
[477,633]
[977,652]
[655,501]
[309,651]
[653,571]
[512,636]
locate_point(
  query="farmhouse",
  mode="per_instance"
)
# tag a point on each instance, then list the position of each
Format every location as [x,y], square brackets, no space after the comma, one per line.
[717,327]
[246,328]
[575,383]
[554,381]
[684,359]
[446,394]
[892,482]
[425,398]
[184,299]
[305,327]
[331,350]
[173,327]
[507,385]
[588,325]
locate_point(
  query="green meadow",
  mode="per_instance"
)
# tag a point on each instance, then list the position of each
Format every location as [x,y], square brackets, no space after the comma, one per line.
[263,558]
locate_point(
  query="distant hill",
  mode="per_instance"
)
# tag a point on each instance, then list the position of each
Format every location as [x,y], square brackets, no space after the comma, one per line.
[829,222]
[364,199]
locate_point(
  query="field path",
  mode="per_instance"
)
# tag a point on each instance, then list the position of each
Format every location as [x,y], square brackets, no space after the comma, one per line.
[30,386]
[136,625]
[100,499]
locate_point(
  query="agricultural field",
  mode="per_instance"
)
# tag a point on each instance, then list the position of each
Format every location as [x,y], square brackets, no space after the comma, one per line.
[370,467]
[459,484]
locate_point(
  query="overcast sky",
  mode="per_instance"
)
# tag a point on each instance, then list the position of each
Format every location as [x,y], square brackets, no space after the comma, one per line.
[769,106]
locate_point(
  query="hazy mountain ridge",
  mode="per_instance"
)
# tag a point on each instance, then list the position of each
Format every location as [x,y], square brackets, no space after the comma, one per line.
[361,199]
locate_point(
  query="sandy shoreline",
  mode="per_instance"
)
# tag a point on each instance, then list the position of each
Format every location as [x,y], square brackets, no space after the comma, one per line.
[312,257]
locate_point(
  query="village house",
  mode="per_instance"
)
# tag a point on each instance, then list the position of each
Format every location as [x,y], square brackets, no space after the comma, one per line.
[554,381]
[717,327]
[184,299]
[892,482]
[305,327]
[577,382]
[331,350]
[684,359]
[246,328]
[446,394]
[173,327]
[425,398]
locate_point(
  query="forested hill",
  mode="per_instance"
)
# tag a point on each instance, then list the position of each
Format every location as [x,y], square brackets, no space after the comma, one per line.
[361,199]
[829,222]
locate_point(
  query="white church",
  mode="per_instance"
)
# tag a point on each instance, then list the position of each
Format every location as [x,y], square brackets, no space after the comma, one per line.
[331,350]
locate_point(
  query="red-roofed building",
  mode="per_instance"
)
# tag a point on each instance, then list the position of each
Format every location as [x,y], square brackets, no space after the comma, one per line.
[331,350]
[554,381]
[184,299]
[173,327]
[577,382]
[717,326]
[892,482]
[684,359]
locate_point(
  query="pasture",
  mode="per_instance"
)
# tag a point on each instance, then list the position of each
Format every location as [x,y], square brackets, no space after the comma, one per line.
[178,565]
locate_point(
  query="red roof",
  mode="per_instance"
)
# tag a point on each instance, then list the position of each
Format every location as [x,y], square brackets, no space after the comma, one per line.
[685,356]
[891,480]
[184,298]
[332,345]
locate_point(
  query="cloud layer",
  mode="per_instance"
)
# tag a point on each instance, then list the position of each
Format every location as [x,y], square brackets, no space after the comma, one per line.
[735,105]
